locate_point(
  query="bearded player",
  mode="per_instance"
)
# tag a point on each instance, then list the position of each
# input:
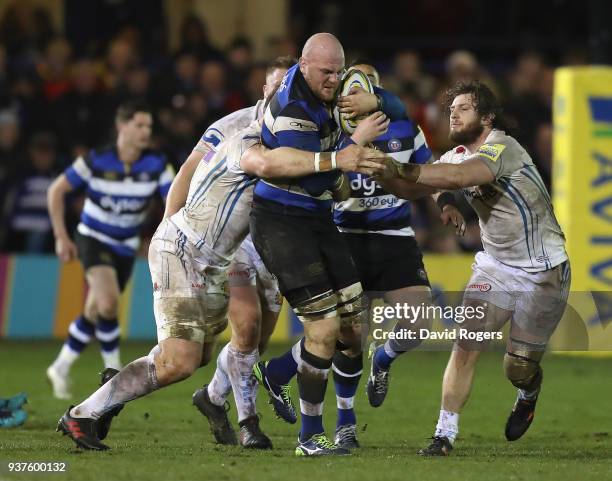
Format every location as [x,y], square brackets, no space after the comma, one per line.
[523,274]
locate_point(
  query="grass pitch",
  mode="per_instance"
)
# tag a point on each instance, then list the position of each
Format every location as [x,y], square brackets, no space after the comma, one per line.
[163,437]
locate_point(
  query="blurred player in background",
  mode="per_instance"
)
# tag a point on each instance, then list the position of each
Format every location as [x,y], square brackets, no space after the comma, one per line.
[523,275]
[255,300]
[119,182]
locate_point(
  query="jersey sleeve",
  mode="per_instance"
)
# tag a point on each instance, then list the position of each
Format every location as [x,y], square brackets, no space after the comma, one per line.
[421,153]
[165,180]
[79,173]
[501,158]
[392,105]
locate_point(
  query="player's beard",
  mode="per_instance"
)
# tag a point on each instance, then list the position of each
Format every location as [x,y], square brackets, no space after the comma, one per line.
[469,133]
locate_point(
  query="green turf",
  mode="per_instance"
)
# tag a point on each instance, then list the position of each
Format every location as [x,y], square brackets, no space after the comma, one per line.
[163,437]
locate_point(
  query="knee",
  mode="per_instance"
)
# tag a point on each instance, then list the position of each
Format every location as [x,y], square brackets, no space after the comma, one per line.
[107,305]
[174,368]
[522,372]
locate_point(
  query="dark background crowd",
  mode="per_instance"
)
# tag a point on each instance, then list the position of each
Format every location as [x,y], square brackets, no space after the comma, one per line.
[59,89]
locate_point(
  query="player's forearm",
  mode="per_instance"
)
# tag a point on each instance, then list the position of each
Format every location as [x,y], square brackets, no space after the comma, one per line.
[438,176]
[405,189]
[179,189]
[56,206]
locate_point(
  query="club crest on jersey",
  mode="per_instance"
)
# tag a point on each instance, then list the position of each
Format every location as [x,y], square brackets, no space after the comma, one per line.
[394,145]
[491,151]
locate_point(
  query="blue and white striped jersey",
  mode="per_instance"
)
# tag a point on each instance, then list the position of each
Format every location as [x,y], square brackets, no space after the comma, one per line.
[118,195]
[296,118]
[371,209]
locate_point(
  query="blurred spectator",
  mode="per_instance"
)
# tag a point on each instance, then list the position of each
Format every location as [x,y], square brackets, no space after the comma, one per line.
[408,76]
[29,227]
[174,85]
[84,115]
[240,60]
[213,85]
[121,58]
[54,68]
[255,79]
[194,39]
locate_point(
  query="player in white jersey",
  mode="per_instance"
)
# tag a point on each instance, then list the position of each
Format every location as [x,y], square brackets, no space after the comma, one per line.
[255,300]
[189,257]
[523,275]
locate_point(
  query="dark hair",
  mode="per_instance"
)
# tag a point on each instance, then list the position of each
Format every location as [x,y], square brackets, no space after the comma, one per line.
[128,109]
[286,61]
[485,102]
[361,61]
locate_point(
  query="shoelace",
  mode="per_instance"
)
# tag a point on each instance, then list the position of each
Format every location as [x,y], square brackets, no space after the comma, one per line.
[346,433]
[381,383]
[285,393]
[322,441]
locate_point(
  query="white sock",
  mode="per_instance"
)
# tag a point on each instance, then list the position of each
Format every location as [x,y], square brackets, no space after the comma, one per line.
[220,385]
[137,379]
[448,425]
[111,359]
[240,370]
[65,359]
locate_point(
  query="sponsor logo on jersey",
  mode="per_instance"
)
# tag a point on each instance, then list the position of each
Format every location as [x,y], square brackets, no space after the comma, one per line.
[360,182]
[480,287]
[491,151]
[122,205]
[111,175]
[394,145]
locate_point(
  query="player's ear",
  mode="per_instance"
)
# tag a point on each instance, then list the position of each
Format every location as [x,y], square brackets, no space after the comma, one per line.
[303,63]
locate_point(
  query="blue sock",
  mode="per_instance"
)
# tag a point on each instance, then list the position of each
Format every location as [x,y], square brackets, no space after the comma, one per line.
[282,369]
[311,425]
[108,333]
[384,356]
[347,373]
[312,383]
[79,334]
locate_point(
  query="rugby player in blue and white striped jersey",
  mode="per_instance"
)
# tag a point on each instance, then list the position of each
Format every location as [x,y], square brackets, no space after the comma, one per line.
[119,182]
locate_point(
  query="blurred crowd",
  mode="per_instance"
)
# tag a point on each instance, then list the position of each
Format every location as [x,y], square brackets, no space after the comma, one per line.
[56,104]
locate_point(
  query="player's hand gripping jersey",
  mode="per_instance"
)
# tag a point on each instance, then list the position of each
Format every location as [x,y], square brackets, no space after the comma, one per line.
[371,209]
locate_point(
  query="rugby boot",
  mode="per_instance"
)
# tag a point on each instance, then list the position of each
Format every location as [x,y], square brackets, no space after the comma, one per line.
[251,435]
[346,436]
[440,446]
[319,445]
[520,418]
[83,431]
[280,396]
[104,422]
[378,383]
[220,426]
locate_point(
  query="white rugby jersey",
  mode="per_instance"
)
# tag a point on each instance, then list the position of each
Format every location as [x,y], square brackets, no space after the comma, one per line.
[517,224]
[215,217]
